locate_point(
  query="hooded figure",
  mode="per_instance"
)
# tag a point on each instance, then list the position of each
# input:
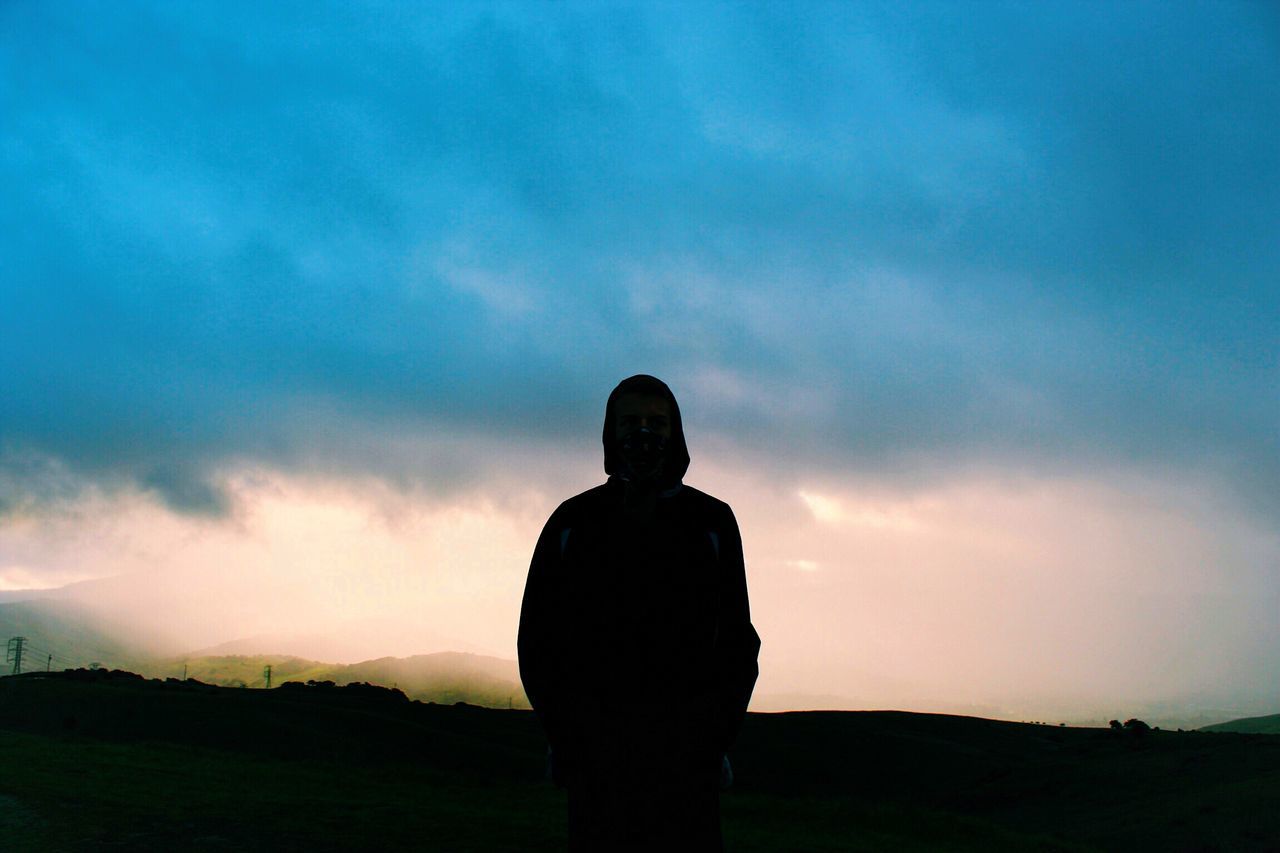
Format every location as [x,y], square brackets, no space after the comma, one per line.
[636,645]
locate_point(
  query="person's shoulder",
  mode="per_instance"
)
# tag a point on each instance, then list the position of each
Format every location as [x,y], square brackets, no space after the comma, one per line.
[703,502]
[583,502]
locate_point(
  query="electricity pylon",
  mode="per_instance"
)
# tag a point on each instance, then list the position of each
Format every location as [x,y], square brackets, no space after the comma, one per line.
[13,653]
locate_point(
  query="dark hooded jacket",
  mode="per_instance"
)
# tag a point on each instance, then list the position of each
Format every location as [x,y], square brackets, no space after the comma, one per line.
[637,641]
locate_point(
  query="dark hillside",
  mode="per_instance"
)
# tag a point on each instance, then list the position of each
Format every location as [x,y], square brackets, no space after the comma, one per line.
[1115,790]
[98,760]
[295,721]
[1268,725]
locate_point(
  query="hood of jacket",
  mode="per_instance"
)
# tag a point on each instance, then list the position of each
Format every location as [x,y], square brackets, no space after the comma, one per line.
[677,462]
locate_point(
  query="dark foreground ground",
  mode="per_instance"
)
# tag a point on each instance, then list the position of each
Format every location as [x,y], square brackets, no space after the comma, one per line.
[100,762]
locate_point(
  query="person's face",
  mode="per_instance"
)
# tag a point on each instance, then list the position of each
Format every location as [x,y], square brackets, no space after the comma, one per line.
[634,411]
[642,427]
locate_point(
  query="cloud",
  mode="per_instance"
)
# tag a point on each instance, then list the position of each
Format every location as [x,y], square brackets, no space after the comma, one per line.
[871,241]
[1025,597]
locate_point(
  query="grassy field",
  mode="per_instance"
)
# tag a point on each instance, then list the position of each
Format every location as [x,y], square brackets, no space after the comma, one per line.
[125,764]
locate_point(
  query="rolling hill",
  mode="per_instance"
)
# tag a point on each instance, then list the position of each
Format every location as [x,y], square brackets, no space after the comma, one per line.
[1268,725]
[109,760]
[443,677]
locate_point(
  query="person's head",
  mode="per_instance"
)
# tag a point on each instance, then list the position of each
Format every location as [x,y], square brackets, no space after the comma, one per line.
[643,437]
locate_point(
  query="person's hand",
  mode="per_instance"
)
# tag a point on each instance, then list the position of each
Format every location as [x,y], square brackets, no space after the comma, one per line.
[726,773]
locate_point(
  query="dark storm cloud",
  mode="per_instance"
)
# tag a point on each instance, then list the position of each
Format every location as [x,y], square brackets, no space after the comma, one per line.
[236,234]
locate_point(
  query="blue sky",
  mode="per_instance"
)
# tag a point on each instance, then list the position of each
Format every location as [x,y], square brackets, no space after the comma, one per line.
[884,244]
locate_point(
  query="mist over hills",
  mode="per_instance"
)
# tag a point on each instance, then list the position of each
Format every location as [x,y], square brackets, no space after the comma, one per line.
[62,633]
[8,595]
[347,646]
[72,626]
[441,677]
[180,610]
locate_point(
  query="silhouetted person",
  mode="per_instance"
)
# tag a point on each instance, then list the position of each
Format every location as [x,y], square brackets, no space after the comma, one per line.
[636,644]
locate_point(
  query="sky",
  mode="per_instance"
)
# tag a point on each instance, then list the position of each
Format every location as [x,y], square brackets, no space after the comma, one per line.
[308,315]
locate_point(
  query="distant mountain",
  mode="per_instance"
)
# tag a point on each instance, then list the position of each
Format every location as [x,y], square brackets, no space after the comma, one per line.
[70,634]
[239,670]
[8,595]
[443,677]
[1269,725]
[348,642]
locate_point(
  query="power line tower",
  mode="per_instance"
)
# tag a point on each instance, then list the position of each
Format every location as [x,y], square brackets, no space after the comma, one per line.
[48,663]
[266,673]
[13,654]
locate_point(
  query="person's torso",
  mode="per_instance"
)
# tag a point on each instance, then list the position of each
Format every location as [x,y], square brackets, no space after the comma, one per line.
[640,602]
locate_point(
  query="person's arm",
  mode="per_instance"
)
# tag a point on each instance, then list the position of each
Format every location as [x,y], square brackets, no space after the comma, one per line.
[737,643]
[537,643]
